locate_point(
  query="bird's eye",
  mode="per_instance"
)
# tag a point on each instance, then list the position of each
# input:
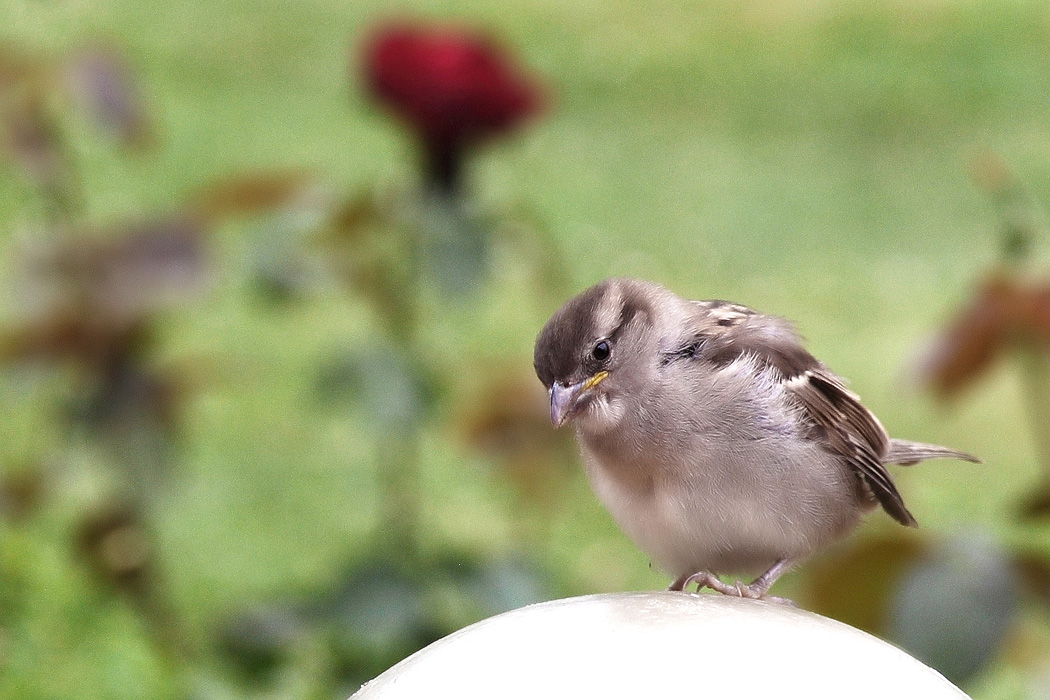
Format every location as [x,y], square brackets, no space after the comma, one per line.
[601,351]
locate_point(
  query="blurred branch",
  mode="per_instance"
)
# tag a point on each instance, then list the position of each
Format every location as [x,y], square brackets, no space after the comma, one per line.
[1008,315]
[103,86]
[35,143]
[1035,369]
[1014,207]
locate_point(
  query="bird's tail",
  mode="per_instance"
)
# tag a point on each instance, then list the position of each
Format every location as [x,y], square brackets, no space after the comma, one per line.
[906,453]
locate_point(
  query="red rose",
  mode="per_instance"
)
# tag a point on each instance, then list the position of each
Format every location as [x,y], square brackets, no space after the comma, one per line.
[452,86]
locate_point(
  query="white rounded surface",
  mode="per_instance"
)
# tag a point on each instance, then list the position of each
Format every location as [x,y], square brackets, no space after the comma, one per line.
[665,644]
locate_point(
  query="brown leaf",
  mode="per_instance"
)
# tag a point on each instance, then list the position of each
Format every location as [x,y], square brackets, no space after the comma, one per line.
[367,250]
[1034,571]
[356,216]
[1033,314]
[251,193]
[132,270]
[90,341]
[972,340]
[991,173]
[21,492]
[853,585]
[16,68]
[117,547]
[32,141]
[116,544]
[509,421]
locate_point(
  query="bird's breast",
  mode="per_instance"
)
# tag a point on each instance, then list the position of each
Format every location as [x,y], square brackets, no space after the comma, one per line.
[706,506]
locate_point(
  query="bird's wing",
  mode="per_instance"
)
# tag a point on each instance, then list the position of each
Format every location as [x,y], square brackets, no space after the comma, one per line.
[726,332]
[846,428]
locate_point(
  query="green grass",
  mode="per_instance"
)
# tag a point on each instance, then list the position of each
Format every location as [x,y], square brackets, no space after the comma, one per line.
[808,158]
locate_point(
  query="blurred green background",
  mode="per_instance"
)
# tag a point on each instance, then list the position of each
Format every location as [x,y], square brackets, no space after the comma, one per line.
[810,158]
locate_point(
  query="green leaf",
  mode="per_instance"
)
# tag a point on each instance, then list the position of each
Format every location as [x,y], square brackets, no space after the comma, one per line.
[391,389]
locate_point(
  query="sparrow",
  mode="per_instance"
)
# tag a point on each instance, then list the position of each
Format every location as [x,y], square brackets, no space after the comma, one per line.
[718,443]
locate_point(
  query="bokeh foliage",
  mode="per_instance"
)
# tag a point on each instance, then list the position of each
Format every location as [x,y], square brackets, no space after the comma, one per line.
[808,158]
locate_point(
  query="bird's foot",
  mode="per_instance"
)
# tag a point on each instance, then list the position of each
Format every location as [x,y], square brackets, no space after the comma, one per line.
[756,590]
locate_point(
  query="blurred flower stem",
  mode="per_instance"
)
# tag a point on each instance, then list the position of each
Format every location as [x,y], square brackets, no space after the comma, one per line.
[444,167]
[1035,383]
[399,472]
[454,88]
[398,446]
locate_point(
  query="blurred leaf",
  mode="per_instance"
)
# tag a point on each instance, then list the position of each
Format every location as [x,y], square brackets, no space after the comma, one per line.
[356,216]
[16,68]
[381,272]
[250,193]
[991,173]
[1007,311]
[262,639]
[973,339]
[507,584]
[282,266]
[393,390]
[509,421]
[370,245]
[103,86]
[72,336]
[132,410]
[132,270]
[1033,322]
[21,492]
[377,617]
[280,275]
[32,140]
[1033,570]
[116,545]
[854,584]
[33,143]
[1035,505]
[151,264]
[953,608]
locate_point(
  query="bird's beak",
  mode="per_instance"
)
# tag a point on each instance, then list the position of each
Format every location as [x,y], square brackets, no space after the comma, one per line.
[566,399]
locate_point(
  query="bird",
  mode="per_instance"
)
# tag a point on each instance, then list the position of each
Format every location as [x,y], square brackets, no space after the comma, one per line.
[717,442]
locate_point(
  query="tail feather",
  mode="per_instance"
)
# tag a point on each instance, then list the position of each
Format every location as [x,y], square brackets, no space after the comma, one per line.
[906,453]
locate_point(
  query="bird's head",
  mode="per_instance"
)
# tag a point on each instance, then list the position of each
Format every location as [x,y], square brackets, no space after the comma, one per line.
[596,350]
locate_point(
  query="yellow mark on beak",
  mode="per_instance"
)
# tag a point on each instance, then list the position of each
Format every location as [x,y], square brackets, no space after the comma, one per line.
[594,381]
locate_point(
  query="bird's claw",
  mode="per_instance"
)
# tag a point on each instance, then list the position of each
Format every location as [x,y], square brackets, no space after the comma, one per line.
[753,591]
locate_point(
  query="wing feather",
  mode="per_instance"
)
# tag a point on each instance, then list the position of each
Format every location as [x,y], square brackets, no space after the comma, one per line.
[852,431]
[838,420]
